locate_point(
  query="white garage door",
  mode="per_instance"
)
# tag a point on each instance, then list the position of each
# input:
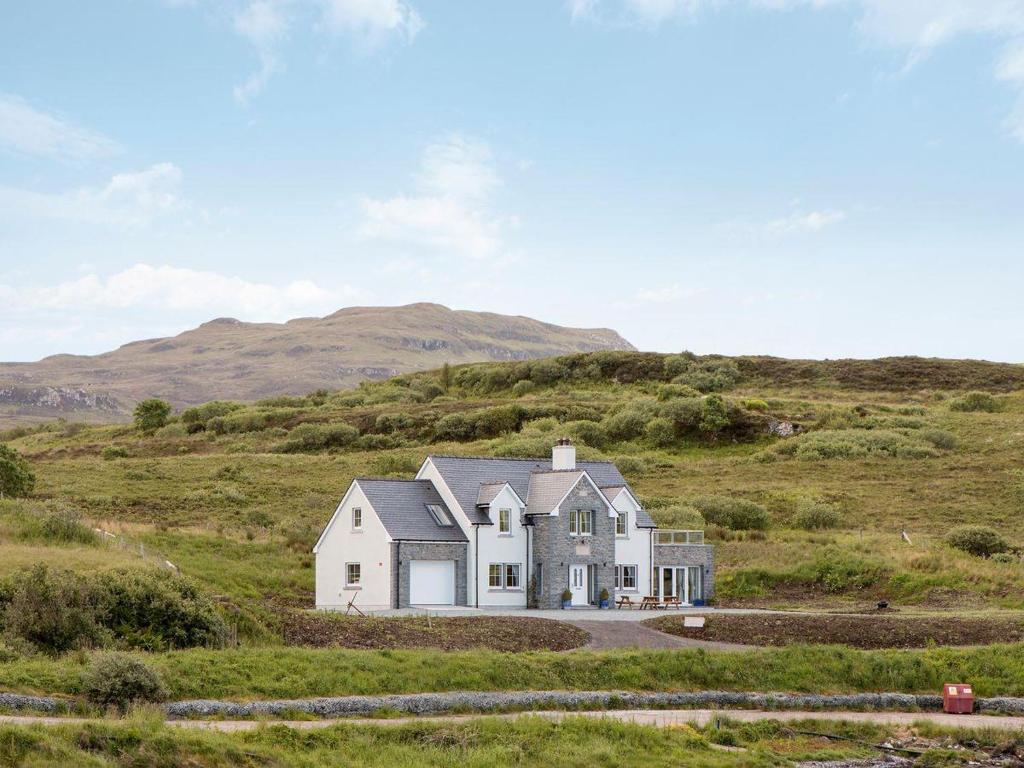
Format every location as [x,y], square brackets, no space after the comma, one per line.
[432,582]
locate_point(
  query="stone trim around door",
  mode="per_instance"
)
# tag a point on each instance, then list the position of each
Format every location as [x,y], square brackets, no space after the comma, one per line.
[402,552]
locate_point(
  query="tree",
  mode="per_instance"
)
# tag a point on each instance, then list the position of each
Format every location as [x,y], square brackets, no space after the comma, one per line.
[16,477]
[152,414]
[446,377]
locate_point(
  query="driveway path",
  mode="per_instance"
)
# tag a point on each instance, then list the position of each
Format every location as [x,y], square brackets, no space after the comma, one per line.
[665,718]
[605,635]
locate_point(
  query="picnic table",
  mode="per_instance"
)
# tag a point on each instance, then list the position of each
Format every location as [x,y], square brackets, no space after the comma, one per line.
[672,602]
[650,602]
[624,601]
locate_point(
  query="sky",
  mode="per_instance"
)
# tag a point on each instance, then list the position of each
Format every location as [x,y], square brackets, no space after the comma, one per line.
[804,178]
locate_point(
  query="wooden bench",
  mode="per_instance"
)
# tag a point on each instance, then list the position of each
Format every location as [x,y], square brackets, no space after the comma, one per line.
[672,602]
[650,602]
[625,601]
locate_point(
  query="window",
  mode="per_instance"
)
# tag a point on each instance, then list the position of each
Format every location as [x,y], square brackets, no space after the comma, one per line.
[620,523]
[357,518]
[440,515]
[625,577]
[504,521]
[580,522]
[503,576]
[512,576]
[353,574]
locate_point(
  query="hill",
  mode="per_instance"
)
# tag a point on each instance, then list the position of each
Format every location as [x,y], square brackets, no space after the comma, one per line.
[229,359]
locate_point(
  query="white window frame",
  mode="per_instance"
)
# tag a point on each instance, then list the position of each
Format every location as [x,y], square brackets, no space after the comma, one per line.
[357,512]
[505,570]
[357,584]
[576,519]
[620,580]
[623,518]
[504,522]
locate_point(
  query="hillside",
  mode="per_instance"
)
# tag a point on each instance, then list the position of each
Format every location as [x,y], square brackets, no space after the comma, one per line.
[229,359]
[236,494]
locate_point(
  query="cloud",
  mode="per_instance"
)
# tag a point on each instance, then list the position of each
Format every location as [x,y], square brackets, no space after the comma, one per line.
[917,26]
[814,221]
[262,23]
[176,289]
[128,200]
[26,130]
[451,212]
[373,21]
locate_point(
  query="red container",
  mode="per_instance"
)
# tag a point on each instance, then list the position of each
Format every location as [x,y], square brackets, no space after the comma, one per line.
[957,699]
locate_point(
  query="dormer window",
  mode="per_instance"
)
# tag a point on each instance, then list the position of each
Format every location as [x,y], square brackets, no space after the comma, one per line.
[504,521]
[440,515]
[621,518]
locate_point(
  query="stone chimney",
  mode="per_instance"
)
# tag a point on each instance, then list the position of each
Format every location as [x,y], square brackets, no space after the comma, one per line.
[563,455]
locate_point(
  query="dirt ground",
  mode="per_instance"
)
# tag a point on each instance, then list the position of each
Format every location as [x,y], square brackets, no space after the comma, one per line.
[450,633]
[880,631]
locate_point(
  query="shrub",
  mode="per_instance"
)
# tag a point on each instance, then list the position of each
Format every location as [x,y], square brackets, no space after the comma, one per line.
[172,431]
[815,516]
[660,432]
[974,402]
[547,371]
[195,418]
[731,513]
[586,432]
[709,375]
[755,404]
[119,680]
[978,540]
[455,427]
[625,425]
[111,452]
[393,422]
[1005,557]
[65,526]
[151,414]
[316,437]
[673,391]
[714,415]
[939,438]
[683,516]
[523,387]
[16,476]
[836,571]
[54,611]
[852,444]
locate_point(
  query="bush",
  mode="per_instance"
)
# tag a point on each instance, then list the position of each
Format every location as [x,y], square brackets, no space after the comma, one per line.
[975,402]
[660,432]
[755,405]
[731,513]
[119,680]
[852,444]
[16,476]
[815,516]
[709,375]
[524,387]
[316,437]
[195,418]
[454,427]
[65,526]
[714,415]
[151,414]
[1005,557]
[939,438]
[673,391]
[54,611]
[111,452]
[586,432]
[684,516]
[625,425]
[978,540]
[837,571]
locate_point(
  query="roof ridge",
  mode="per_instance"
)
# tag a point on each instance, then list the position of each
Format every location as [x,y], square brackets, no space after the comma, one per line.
[511,458]
[380,479]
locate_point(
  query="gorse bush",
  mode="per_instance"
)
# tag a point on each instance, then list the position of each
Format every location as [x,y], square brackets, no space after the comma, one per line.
[815,516]
[119,680]
[731,513]
[939,438]
[851,444]
[58,611]
[151,414]
[111,452]
[317,437]
[16,477]
[195,418]
[979,540]
[975,402]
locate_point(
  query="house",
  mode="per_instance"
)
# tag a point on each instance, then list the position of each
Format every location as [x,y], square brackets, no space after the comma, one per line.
[498,532]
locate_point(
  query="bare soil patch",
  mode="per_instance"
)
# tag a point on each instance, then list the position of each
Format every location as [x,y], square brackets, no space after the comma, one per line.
[453,633]
[867,632]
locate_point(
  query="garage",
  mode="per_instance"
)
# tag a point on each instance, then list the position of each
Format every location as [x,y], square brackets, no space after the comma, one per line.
[432,582]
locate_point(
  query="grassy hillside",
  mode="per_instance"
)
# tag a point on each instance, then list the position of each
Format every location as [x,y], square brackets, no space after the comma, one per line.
[226,358]
[236,495]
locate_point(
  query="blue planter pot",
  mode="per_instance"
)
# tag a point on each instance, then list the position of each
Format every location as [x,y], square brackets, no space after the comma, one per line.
[605,603]
[567,603]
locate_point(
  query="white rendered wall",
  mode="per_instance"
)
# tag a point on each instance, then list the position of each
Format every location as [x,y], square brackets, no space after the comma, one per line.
[508,548]
[634,548]
[371,548]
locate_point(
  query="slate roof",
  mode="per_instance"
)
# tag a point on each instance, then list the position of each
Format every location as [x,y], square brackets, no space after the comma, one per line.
[465,474]
[549,488]
[401,506]
[488,492]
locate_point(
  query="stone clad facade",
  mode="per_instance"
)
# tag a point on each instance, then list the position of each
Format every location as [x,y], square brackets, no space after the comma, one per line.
[689,554]
[555,549]
[403,552]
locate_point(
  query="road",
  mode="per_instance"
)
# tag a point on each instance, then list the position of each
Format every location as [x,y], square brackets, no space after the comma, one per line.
[660,718]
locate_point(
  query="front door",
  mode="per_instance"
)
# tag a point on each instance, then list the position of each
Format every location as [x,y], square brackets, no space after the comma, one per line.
[578,584]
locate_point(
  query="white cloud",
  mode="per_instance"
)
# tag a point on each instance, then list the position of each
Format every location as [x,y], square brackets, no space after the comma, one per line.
[127,200]
[176,289]
[813,221]
[372,21]
[262,23]
[27,130]
[452,211]
[918,26]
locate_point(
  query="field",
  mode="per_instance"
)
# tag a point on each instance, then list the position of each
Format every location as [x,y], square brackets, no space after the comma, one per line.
[886,458]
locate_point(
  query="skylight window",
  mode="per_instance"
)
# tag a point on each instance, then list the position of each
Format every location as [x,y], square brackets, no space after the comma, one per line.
[440,515]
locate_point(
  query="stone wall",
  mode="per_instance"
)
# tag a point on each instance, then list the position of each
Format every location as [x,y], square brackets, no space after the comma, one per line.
[689,554]
[555,549]
[404,551]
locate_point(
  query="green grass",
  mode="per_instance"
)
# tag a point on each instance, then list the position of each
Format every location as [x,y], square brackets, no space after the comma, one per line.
[260,673]
[483,743]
